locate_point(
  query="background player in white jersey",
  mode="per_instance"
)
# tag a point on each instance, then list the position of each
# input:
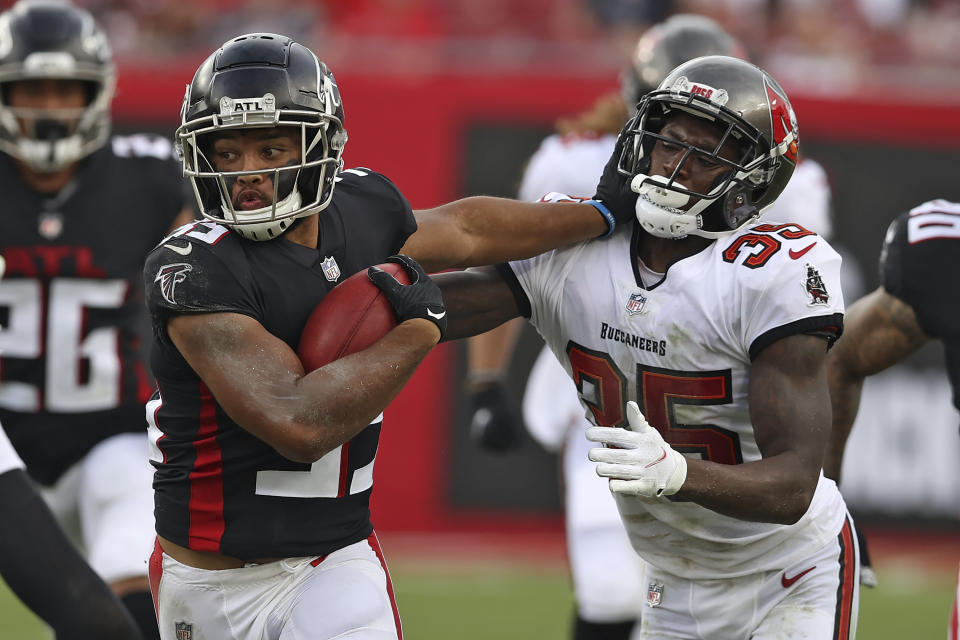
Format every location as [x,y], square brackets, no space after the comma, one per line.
[911,307]
[718,327]
[42,567]
[263,470]
[604,567]
[81,210]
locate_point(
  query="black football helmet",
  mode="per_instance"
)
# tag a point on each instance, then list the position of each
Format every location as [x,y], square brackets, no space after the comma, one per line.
[668,44]
[52,39]
[263,80]
[750,108]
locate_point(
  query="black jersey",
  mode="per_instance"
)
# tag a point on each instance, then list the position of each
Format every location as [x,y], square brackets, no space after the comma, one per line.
[217,487]
[71,304]
[920,264]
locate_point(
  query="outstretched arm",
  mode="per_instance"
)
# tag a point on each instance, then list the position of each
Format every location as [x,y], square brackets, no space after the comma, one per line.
[483,230]
[880,330]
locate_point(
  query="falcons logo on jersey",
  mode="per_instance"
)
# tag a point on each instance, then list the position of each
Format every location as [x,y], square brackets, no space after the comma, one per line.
[169,275]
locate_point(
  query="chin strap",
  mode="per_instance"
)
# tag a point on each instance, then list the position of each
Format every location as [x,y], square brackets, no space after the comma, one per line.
[660,214]
[269,229]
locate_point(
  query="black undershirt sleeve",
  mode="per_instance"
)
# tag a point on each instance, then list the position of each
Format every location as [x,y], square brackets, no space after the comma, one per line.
[48,574]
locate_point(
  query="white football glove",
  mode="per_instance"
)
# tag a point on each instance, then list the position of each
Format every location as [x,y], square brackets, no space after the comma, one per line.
[642,464]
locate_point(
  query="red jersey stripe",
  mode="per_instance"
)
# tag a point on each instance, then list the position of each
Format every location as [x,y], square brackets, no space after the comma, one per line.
[344,469]
[206,480]
[375,545]
[848,566]
[155,571]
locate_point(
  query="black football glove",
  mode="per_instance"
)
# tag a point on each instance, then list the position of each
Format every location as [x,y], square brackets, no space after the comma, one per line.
[492,423]
[419,299]
[614,189]
[868,577]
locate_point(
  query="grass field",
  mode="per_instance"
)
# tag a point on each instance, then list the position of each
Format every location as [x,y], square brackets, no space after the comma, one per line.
[514,594]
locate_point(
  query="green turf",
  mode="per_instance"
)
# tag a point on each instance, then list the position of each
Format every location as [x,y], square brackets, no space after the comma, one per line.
[514,602]
[501,603]
[16,621]
[907,604]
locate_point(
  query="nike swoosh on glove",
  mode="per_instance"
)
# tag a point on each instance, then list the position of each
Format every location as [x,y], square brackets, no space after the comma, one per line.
[419,299]
[643,464]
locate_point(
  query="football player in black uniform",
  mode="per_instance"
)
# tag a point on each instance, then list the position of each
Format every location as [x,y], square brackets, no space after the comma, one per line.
[81,210]
[921,252]
[264,470]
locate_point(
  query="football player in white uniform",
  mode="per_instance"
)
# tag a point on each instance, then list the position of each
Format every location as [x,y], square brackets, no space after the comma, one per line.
[716,327]
[604,567]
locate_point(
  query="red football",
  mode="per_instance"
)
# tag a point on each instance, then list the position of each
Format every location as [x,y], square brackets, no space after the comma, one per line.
[353,316]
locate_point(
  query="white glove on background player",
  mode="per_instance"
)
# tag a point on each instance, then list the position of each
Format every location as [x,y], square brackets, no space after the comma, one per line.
[642,464]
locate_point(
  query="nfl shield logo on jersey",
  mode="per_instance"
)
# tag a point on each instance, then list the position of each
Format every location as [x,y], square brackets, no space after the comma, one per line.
[330,268]
[635,303]
[184,630]
[50,225]
[654,594]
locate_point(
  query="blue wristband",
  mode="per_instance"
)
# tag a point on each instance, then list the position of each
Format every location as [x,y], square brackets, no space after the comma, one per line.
[607,216]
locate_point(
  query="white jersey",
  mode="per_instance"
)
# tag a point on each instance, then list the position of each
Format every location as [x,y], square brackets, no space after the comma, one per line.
[8,456]
[572,163]
[682,349]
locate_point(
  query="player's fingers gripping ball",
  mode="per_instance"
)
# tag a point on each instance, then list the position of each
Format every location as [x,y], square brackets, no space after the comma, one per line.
[419,299]
[642,464]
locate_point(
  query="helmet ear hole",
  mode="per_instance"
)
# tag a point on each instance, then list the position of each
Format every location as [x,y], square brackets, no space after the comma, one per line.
[737,208]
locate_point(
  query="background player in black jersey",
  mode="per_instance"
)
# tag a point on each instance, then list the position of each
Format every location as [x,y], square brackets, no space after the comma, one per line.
[77,604]
[81,210]
[921,252]
[263,470]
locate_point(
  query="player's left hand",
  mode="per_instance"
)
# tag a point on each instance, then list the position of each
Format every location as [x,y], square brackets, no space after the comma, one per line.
[614,189]
[643,464]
